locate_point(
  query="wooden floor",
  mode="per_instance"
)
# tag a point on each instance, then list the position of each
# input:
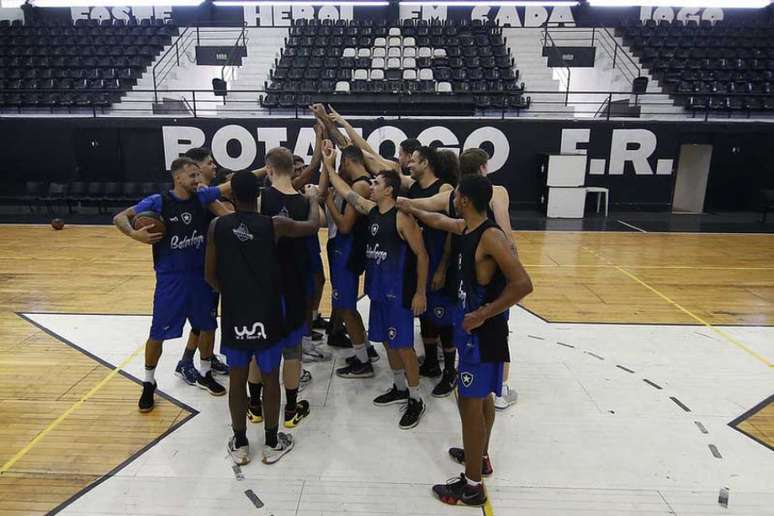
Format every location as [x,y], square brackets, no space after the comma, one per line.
[579,277]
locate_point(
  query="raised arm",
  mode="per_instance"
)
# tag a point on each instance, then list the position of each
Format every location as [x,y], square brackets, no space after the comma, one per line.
[357,140]
[305,177]
[410,232]
[219,208]
[375,164]
[518,285]
[211,258]
[286,227]
[438,202]
[333,133]
[359,202]
[432,219]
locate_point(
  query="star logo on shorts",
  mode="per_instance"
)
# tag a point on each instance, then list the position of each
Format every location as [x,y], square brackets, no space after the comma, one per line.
[467,379]
[374,229]
[439,312]
[335,294]
[186,217]
[392,333]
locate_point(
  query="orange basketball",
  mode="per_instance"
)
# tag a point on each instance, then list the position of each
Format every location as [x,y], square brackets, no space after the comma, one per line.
[57,224]
[151,220]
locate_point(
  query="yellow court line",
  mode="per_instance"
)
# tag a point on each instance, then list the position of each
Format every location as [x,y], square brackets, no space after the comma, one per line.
[24,451]
[488,507]
[733,340]
[656,267]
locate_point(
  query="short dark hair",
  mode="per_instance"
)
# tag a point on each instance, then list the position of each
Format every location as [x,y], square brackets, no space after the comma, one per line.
[281,160]
[478,189]
[221,176]
[296,157]
[449,167]
[198,154]
[471,161]
[392,179]
[410,145]
[431,155]
[180,163]
[244,186]
[352,153]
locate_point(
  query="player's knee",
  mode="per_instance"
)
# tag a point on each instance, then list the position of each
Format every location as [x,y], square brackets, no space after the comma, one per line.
[292,352]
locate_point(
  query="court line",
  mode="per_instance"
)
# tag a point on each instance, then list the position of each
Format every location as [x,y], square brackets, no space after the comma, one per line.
[656,267]
[631,226]
[729,338]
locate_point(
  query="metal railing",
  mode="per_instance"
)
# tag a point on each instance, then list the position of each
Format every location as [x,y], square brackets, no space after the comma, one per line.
[232,54]
[553,48]
[170,60]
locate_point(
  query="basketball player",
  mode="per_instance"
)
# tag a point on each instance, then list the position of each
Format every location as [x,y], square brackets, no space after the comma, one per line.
[394,301]
[491,280]
[178,258]
[185,368]
[243,263]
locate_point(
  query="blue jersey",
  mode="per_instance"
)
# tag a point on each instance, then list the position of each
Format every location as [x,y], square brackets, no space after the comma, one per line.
[386,259]
[182,248]
[434,239]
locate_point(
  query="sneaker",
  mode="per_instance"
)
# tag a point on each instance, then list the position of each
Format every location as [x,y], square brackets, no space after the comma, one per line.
[320,323]
[339,340]
[255,413]
[458,454]
[356,369]
[315,336]
[304,380]
[507,399]
[284,445]
[294,418]
[373,356]
[208,383]
[446,385]
[456,490]
[240,455]
[412,413]
[146,399]
[217,366]
[186,370]
[430,370]
[391,397]
[312,353]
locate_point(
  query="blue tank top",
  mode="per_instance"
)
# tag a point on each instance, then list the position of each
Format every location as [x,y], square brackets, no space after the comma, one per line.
[182,248]
[434,239]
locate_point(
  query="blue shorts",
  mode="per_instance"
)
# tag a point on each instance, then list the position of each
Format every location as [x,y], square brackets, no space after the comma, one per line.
[294,338]
[476,379]
[391,323]
[440,310]
[181,296]
[315,259]
[268,359]
[344,282]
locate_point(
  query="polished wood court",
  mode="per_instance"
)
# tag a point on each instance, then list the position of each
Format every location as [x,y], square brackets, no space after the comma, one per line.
[579,277]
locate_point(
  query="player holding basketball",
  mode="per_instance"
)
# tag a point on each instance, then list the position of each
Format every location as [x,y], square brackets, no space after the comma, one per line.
[178,259]
[491,280]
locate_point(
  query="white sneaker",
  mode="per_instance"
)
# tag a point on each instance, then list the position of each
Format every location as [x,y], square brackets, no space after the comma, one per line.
[284,445]
[313,353]
[508,398]
[306,379]
[240,455]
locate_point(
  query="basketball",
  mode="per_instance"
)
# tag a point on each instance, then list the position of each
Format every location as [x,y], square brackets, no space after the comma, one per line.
[151,220]
[57,224]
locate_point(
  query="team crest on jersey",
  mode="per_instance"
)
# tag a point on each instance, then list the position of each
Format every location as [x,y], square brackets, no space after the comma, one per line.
[187,218]
[374,229]
[284,212]
[242,233]
[467,379]
[392,333]
[439,312]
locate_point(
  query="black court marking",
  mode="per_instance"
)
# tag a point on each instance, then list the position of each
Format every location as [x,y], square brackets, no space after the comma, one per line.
[566,345]
[747,415]
[625,369]
[192,411]
[594,355]
[680,404]
[254,498]
[535,337]
[652,384]
[701,427]
[715,452]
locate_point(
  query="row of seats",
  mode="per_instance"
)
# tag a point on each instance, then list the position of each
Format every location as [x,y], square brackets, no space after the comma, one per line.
[702,103]
[395,70]
[87,51]
[32,63]
[52,100]
[465,41]
[100,194]
[483,102]
[68,73]
[692,28]
[405,84]
[380,27]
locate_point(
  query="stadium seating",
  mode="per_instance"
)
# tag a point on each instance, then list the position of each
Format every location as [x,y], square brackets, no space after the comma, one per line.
[724,67]
[86,64]
[366,62]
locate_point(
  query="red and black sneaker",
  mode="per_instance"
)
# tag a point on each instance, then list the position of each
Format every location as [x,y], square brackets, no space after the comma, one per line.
[458,454]
[457,491]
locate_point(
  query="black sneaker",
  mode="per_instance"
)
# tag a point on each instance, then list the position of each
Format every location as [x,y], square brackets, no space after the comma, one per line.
[208,383]
[339,340]
[456,490]
[320,323]
[373,356]
[146,399]
[255,413]
[446,385]
[430,370]
[293,418]
[412,413]
[391,397]
[217,366]
[458,454]
[356,369]
[316,336]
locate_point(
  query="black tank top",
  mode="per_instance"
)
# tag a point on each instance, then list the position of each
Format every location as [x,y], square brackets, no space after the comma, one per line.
[182,248]
[493,334]
[357,260]
[291,252]
[248,271]
[389,277]
[434,239]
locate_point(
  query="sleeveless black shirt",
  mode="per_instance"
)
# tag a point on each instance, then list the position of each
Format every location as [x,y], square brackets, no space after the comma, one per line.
[182,248]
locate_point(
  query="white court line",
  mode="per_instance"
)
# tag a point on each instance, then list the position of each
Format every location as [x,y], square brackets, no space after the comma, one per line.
[633,227]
